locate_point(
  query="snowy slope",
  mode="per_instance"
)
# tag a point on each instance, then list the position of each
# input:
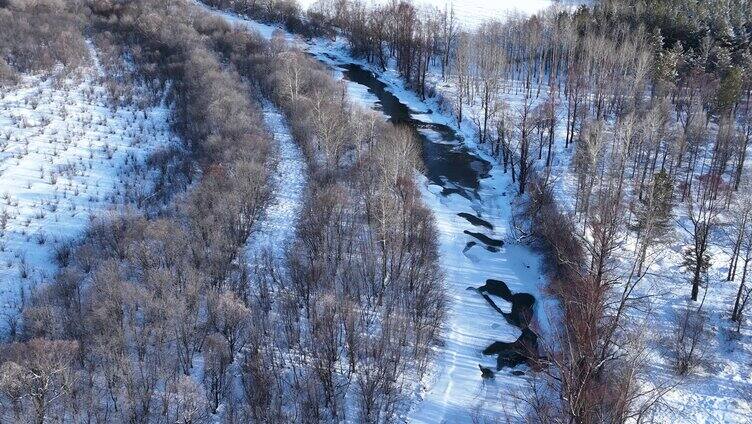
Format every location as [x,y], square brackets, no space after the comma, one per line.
[66,154]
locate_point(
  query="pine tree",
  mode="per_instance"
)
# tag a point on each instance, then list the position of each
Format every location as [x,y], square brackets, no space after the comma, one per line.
[692,260]
[654,212]
[730,90]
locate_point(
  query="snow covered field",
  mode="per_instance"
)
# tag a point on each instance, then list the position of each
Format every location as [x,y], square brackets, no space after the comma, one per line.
[66,154]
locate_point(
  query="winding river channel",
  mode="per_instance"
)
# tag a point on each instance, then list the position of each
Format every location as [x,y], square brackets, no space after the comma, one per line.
[462,183]
[448,163]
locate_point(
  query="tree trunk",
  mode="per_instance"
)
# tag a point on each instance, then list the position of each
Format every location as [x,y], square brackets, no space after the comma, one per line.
[735,315]
[696,277]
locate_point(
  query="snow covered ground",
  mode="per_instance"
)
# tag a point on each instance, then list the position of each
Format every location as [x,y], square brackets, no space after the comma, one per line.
[715,392]
[66,154]
[720,390]
[277,226]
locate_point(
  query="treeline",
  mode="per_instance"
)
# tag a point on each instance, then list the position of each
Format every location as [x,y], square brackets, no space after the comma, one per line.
[36,35]
[697,25]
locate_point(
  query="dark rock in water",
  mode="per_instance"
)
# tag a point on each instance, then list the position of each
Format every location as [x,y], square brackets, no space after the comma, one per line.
[522,310]
[524,350]
[492,249]
[498,347]
[468,246]
[518,373]
[524,300]
[475,220]
[485,239]
[522,303]
[497,288]
[486,372]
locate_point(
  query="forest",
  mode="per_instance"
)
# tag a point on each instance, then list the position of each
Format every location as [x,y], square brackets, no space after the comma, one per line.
[623,128]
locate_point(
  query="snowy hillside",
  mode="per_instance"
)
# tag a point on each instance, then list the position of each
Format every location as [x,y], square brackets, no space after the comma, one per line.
[66,155]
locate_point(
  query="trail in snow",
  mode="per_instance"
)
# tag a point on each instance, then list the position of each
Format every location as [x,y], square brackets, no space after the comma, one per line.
[276,228]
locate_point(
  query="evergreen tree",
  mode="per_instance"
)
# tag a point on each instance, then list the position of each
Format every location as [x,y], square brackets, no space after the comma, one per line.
[692,261]
[654,212]
[729,90]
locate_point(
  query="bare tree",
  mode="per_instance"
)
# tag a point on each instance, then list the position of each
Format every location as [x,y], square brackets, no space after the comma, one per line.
[36,375]
[462,60]
[703,208]
[742,221]
[488,63]
[228,316]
